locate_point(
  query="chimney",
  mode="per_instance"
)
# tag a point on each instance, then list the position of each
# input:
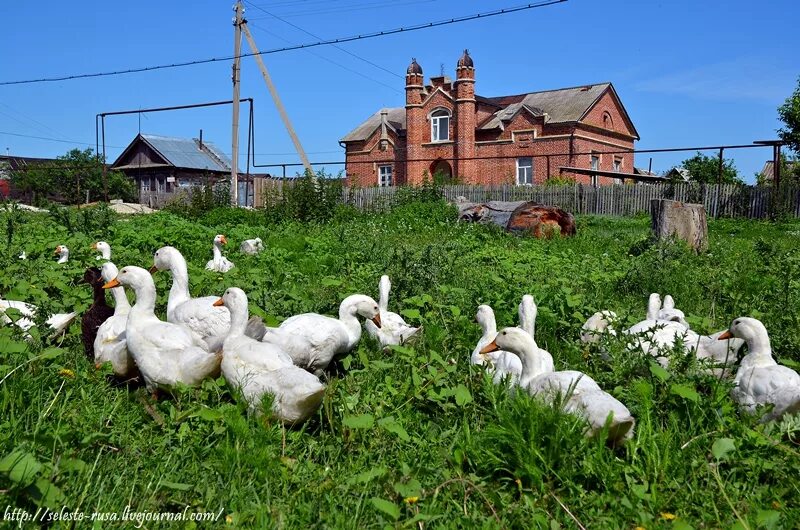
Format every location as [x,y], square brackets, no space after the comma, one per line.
[201,139]
[384,134]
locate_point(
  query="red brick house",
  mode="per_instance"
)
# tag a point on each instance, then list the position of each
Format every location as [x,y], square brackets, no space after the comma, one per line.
[520,139]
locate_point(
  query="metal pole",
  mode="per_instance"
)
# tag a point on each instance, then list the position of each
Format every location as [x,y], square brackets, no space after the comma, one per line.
[237,51]
[105,176]
[720,168]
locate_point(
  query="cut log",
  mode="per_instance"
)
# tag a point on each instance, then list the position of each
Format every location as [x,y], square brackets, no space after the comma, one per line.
[520,217]
[680,220]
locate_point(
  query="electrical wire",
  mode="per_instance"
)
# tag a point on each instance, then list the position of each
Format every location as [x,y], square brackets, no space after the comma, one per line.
[384,33]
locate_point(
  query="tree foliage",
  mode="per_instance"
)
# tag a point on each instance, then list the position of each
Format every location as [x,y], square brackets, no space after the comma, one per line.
[704,168]
[69,177]
[789,114]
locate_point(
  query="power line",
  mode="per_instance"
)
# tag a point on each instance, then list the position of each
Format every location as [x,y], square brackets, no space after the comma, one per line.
[488,14]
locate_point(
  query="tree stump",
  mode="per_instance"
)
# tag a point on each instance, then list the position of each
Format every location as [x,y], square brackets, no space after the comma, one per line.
[680,220]
[520,217]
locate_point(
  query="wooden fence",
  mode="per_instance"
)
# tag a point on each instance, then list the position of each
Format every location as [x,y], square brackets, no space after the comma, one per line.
[726,200]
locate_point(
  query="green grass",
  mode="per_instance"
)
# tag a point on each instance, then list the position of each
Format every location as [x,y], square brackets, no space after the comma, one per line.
[415,437]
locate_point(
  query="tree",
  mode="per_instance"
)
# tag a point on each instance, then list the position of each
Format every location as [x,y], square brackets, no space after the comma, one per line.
[703,168]
[70,177]
[790,171]
[789,114]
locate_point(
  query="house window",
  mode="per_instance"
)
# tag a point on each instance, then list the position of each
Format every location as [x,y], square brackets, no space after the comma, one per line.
[525,171]
[384,175]
[617,164]
[595,167]
[440,126]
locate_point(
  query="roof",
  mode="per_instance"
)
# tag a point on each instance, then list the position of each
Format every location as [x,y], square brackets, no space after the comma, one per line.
[679,173]
[768,171]
[185,153]
[563,105]
[396,120]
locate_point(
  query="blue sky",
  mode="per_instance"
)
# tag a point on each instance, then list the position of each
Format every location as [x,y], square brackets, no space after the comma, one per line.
[689,72]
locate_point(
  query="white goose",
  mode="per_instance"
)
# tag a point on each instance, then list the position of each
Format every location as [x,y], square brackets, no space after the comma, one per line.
[760,380]
[63,253]
[104,248]
[258,368]
[58,322]
[597,325]
[582,395]
[313,340]
[219,263]
[394,329]
[166,354]
[251,246]
[109,344]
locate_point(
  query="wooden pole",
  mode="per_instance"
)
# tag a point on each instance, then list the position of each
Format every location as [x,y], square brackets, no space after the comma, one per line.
[276,98]
[237,52]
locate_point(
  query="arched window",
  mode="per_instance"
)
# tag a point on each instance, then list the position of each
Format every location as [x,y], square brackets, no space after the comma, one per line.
[440,125]
[608,123]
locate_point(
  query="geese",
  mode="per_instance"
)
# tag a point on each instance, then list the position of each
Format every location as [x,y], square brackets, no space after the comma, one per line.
[58,322]
[97,313]
[197,314]
[393,329]
[598,324]
[258,368]
[251,246]
[165,353]
[760,380]
[22,255]
[63,253]
[313,340]
[219,263]
[104,248]
[110,344]
[581,393]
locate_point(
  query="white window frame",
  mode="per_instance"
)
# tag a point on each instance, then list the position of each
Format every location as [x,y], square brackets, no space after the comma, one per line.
[529,171]
[592,158]
[382,170]
[437,117]
[617,166]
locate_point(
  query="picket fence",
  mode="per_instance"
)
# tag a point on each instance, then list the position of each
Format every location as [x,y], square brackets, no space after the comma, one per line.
[725,200]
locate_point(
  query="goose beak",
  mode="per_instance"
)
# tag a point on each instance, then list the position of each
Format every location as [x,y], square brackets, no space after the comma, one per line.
[492,346]
[97,366]
[377,320]
[153,269]
[219,303]
[111,284]
[94,246]
[725,336]
[57,251]
[223,240]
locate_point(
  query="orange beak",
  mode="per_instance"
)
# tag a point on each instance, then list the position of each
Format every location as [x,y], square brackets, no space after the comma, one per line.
[112,283]
[219,303]
[223,240]
[94,246]
[725,336]
[97,366]
[490,347]
[153,269]
[377,320]
[58,250]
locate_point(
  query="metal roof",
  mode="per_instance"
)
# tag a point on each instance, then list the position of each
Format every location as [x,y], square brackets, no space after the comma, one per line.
[396,119]
[187,153]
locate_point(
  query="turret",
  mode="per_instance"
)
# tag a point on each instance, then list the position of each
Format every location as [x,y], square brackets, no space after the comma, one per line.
[466,165]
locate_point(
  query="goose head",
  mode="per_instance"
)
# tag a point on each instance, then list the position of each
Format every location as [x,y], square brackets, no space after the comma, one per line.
[259,243]
[104,249]
[361,305]
[668,312]
[653,306]
[220,240]
[528,312]
[93,276]
[134,277]
[163,259]
[597,324]
[514,340]
[235,300]
[385,284]
[62,252]
[745,328]
[485,317]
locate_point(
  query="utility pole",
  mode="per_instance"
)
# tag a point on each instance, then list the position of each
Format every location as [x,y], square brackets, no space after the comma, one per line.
[237,51]
[276,98]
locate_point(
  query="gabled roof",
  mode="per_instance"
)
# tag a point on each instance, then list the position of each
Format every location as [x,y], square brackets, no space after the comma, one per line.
[563,105]
[396,120]
[184,153]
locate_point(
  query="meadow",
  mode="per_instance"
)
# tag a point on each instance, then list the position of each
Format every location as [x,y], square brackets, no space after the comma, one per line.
[416,436]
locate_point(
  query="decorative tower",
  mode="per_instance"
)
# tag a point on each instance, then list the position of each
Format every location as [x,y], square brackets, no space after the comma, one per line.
[466,165]
[415,123]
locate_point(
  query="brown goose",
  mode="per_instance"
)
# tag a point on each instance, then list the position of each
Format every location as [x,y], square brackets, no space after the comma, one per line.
[97,313]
